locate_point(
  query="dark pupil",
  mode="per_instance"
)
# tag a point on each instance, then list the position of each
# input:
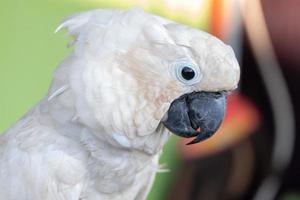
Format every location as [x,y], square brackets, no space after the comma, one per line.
[187,73]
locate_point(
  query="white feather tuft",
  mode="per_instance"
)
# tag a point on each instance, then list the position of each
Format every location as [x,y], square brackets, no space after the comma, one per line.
[58,92]
[74,23]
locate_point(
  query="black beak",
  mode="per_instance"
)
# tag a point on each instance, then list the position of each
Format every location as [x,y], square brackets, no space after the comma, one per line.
[197,114]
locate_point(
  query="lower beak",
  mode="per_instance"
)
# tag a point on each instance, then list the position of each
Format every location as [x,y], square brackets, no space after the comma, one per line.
[197,114]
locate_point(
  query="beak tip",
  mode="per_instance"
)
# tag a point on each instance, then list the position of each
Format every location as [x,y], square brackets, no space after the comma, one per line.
[200,137]
[190,143]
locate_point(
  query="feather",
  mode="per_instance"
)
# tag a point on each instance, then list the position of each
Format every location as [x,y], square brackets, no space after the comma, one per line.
[58,92]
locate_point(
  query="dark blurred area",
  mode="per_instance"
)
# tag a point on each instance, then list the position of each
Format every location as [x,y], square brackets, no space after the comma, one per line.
[282,18]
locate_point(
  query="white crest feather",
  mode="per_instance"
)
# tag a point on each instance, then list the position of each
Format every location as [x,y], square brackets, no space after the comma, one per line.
[74,23]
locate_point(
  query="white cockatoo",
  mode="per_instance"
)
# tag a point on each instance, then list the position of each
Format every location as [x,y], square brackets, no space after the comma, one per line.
[131,78]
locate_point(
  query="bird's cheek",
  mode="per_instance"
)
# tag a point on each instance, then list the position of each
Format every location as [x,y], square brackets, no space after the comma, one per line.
[161,110]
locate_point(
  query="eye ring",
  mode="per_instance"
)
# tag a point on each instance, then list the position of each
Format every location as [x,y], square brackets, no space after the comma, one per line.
[186,72]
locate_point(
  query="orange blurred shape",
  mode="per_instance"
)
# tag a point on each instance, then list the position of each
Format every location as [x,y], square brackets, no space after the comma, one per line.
[241,119]
[218,17]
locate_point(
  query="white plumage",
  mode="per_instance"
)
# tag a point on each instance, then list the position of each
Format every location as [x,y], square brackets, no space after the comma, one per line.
[97,134]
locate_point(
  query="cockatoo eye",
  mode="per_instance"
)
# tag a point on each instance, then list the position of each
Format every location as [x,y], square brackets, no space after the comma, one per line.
[186,72]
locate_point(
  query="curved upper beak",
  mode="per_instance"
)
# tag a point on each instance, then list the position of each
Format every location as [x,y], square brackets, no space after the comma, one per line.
[197,114]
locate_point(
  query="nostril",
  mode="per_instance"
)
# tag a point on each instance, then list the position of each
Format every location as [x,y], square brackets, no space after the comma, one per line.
[221,94]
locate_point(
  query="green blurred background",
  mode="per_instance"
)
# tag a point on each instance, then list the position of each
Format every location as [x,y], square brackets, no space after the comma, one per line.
[30,51]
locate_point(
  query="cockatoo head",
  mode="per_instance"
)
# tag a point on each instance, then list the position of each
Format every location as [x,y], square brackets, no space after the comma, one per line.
[133,71]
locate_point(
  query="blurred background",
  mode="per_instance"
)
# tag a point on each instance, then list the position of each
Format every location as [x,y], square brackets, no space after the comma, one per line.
[254,155]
